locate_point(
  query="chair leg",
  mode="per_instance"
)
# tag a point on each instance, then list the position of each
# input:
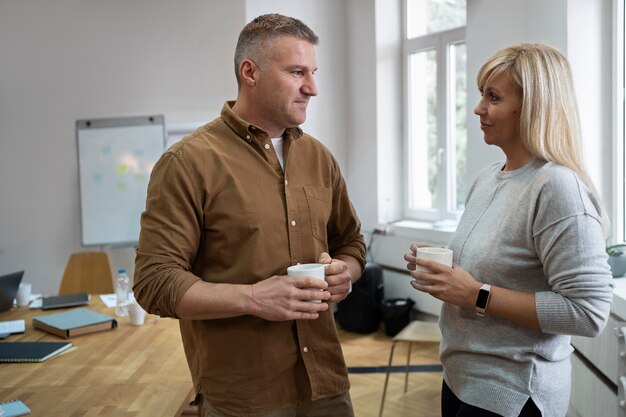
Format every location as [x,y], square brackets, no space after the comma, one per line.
[382,403]
[408,365]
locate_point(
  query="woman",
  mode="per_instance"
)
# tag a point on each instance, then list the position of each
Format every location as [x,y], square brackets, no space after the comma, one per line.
[529,263]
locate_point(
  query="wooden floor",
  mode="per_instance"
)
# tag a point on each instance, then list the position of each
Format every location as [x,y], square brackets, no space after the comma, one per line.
[363,352]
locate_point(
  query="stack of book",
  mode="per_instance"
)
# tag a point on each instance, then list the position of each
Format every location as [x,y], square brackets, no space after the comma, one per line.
[74,322]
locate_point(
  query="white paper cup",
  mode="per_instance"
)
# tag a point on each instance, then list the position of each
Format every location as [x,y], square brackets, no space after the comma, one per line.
[137,314]
[441,255]
[308,270]
[23,294]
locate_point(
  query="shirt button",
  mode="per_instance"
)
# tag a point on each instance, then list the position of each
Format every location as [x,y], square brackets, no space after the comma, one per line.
[248,137]
[266,146]
[293,222]
[306,349]
[286,182]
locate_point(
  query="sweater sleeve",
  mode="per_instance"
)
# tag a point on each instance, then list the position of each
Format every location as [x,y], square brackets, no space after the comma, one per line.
[569,239]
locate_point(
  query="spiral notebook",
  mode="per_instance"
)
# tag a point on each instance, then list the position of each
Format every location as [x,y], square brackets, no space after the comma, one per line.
[31,351]
[13,409]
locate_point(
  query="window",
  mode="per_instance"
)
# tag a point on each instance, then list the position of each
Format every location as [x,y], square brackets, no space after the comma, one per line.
[435,88]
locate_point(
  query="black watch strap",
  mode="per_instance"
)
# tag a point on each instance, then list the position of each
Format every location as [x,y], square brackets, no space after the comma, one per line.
[483,299]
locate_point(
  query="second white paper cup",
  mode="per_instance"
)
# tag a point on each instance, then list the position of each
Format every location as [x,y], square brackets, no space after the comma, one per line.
[441,255]
[137,314]
[23,294]
[307,270]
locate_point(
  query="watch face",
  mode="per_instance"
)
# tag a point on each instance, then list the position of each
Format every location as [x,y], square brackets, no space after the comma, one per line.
[483,296]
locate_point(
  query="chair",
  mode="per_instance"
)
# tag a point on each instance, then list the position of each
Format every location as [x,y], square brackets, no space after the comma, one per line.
[87,272]
[415,332]
[189,409]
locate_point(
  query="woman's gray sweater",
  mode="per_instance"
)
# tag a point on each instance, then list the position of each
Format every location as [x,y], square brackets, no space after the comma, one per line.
[535,229]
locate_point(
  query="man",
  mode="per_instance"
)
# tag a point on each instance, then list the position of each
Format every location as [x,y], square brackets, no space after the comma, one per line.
[229,208]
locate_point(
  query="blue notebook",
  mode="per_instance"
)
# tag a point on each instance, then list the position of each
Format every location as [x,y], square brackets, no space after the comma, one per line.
[13,408]
[74,322]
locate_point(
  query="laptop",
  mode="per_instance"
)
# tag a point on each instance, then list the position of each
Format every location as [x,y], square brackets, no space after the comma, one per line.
[8,289]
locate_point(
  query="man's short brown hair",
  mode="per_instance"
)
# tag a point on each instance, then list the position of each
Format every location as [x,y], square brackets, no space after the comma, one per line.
[256,37]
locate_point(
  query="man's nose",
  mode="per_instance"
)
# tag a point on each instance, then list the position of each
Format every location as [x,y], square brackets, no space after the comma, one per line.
[309,88]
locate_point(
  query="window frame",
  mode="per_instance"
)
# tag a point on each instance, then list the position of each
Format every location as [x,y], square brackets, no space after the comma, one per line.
[618,227]
[446,190]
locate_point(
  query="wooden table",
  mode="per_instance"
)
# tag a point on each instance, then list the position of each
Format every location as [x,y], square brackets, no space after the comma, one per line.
[128,371]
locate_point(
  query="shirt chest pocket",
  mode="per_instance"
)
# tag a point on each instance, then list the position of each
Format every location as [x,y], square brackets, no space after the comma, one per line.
[319,201]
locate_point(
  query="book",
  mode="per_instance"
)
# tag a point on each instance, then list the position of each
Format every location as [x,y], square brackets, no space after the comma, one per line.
[31,351]
[68,300]
[74,322]
[13,409]
[11,327]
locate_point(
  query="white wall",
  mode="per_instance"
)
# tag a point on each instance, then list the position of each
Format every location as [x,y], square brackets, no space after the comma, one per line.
[493,25]
[327,113]
[66,60]
[581,29]
[589,47]
[362,168]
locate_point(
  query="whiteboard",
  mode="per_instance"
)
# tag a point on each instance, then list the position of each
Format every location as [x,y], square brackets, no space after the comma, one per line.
[115,159]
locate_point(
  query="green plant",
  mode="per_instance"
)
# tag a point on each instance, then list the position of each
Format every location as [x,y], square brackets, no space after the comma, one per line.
[618,249]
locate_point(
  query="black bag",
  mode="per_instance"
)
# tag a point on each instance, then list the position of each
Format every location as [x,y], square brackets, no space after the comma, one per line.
[360,311]
[396,314]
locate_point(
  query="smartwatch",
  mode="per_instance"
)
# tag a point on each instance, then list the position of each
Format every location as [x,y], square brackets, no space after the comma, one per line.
[483,299]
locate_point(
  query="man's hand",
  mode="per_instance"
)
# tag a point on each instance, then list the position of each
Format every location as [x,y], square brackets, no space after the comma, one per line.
[281,298]
[337,276]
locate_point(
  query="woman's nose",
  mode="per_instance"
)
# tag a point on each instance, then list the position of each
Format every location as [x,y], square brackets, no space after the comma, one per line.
[479,109]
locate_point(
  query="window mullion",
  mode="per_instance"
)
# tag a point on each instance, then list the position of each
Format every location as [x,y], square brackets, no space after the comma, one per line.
[450,131]
[442,128]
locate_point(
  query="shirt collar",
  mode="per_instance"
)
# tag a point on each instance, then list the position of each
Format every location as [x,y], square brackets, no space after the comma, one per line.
[247,130]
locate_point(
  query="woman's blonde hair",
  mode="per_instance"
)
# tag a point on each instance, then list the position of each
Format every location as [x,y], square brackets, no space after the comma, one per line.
[549,122]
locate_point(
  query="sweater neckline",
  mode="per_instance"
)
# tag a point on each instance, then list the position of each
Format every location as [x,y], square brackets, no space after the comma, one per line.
[504,175]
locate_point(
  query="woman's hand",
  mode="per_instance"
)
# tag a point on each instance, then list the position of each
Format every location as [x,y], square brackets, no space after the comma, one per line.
[456,286]
[453,284]
[410,256]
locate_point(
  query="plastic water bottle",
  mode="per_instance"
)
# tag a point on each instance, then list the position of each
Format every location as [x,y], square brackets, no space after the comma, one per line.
[122,290]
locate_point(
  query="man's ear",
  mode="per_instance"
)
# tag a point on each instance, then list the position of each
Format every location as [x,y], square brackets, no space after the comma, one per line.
[248,72]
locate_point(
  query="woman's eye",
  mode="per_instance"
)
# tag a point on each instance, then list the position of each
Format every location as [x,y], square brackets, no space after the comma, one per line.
[493,97]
